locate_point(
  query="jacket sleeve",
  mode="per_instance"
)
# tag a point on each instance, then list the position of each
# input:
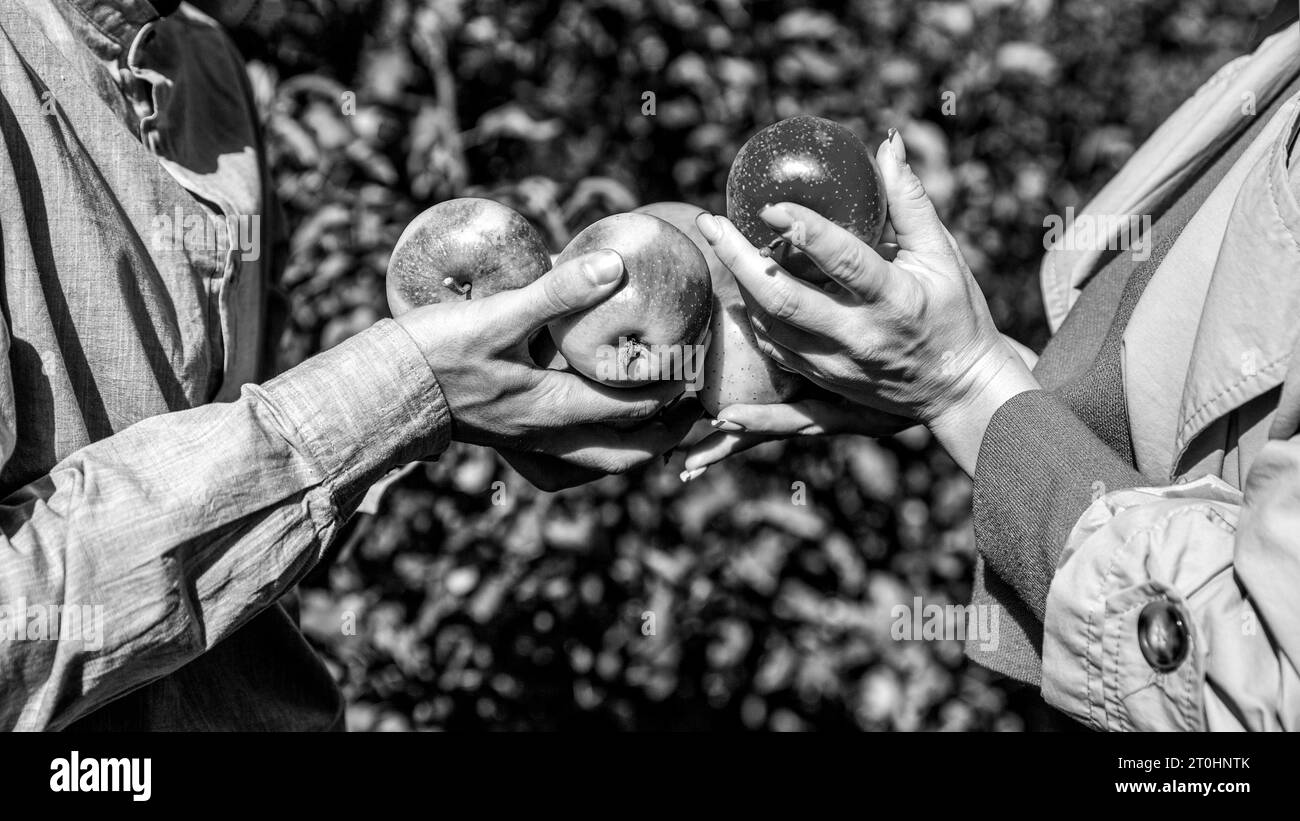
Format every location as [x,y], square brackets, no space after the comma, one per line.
[143,550]
[1039,468]
[1227,562]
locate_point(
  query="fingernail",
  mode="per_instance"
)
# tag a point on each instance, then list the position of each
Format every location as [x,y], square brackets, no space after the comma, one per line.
[727,425]
[896,147]
[604,267]
[777,217]
[709,227]
[688,475]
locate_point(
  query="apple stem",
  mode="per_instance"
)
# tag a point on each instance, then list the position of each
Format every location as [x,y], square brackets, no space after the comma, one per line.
[632,350]
[771,248]
[462,288]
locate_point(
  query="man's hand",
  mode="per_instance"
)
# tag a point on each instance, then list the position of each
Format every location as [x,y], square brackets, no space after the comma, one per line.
[499,397]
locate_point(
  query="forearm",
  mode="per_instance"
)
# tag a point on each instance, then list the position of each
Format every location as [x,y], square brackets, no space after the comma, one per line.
[1038,469]
[180,528]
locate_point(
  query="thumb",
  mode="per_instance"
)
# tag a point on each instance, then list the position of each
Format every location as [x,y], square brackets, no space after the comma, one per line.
[572,286]
[911,213]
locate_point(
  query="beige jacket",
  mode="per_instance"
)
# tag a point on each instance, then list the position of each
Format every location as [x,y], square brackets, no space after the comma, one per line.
[1207,348]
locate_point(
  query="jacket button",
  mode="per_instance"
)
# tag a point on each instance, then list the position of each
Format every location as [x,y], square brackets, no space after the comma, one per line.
[1163,636]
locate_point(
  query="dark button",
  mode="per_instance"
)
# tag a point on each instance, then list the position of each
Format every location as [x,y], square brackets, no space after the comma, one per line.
[1163,636]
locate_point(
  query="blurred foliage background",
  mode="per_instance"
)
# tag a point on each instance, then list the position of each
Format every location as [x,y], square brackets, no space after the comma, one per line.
[472,601]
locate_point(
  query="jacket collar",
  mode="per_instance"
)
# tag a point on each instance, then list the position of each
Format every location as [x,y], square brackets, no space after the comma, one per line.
[1249,328]
[1177,150]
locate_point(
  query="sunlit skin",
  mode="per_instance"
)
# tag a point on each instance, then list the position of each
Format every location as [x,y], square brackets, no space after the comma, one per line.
[910,336]
[469,280]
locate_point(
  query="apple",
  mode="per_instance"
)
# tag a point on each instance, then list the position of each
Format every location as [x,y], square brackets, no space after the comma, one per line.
[462,249]
[735,371]
[808,161]
[655,320]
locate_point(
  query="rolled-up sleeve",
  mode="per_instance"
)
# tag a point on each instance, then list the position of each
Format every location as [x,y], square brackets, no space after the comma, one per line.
[150,546]
[1227,563]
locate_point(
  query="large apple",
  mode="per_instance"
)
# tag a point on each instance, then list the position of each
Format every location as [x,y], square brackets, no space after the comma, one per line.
[735,371]
[808,161]
[463,249]
[655,321]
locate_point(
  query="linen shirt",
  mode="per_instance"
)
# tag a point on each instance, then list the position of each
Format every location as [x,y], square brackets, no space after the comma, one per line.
[155,500]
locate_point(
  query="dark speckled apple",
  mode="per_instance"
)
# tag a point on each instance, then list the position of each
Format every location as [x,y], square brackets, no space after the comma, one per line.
[463,249]
[808,161]
[665,300]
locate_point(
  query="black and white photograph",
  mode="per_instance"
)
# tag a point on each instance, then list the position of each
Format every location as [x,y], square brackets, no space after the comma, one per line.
[649,366]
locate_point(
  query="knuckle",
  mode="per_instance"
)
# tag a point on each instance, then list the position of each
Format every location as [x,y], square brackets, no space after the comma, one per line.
[553,295]
[846,258]
[913,188]
[808,233]
[783,302]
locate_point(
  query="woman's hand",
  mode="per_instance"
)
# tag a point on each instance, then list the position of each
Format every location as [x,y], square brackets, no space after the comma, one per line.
[910,337]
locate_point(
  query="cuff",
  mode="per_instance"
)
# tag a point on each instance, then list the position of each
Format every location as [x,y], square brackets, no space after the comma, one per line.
[363,407]
[1039,467]
[1122,646]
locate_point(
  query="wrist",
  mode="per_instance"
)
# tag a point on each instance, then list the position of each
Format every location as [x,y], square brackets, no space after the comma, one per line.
[363,407]
[997,376]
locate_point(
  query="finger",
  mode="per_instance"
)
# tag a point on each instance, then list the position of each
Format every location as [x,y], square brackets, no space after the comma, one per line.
[577,284]
[842,256]
[808,417]
[714,448]
[915,221]
[572,399]
[786,358]
[607,450]
[782,296]
[794,344]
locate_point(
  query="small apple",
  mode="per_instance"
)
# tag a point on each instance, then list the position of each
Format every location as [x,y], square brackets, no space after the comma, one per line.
[656,318]
[463,249]
[808,161]
[735,371]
